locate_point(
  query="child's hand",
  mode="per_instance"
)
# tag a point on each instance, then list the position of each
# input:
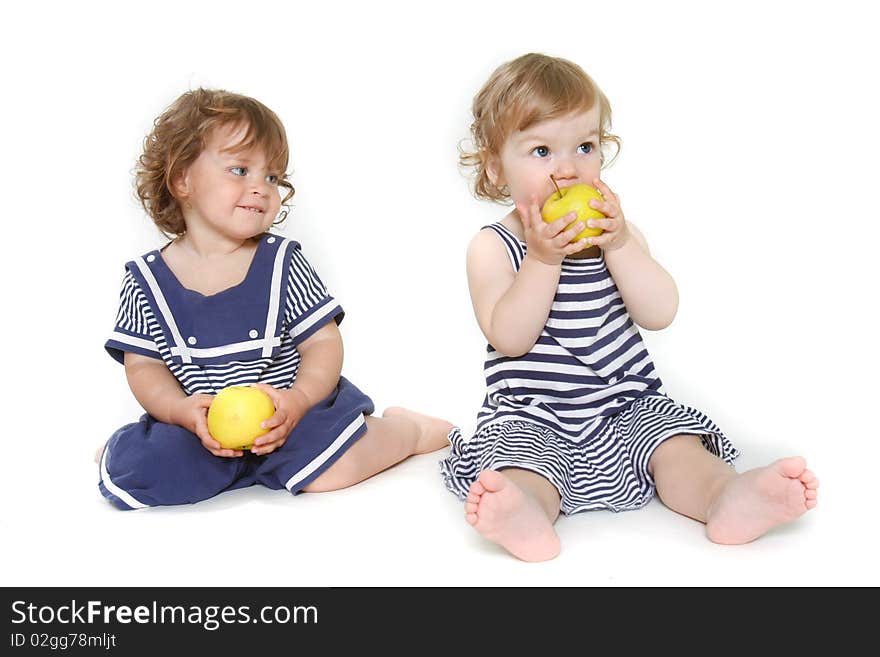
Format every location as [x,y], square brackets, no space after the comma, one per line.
[549,243]
[290,406]
[192,413]
[616,231]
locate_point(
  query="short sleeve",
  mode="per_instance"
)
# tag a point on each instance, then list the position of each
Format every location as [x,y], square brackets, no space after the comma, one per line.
[308,306]
[132,332]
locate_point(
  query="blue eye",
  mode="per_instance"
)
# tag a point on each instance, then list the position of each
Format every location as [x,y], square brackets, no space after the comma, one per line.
[541,151]
[586,147]
[235,171]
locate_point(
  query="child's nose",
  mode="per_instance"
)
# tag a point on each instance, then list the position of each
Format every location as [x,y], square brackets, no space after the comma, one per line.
[565,168]
[260,187]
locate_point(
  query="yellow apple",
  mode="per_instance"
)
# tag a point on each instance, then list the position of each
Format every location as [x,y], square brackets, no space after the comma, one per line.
[574,199]
[235,414]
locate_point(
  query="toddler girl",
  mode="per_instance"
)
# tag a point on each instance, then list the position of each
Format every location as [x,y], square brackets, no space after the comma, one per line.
[575,416]
[224,303]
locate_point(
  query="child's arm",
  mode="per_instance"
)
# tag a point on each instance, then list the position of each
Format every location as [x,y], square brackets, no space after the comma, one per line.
[321,364]
[160,394]
[649,292]
[318,375]
[512,307]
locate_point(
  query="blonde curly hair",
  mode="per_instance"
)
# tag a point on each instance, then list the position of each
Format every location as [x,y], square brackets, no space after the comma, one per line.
[180,134]
[520,93]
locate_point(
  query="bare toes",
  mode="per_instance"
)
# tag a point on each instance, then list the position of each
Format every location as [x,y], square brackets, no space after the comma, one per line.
[811,504]
[477,488]
[470,507]
[471,518]
[811,494]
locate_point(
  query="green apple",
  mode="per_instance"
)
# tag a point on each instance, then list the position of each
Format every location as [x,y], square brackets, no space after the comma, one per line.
[575,198]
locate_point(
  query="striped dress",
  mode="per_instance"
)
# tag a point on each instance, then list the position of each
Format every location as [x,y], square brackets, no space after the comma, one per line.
[584,407]
[245,334]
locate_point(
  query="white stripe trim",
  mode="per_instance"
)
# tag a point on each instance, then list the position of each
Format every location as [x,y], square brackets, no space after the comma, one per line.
[327,453]
[149,345]
[511,253]
[233,348]
[182,350]
[116,490]
[275,295]
[316,317]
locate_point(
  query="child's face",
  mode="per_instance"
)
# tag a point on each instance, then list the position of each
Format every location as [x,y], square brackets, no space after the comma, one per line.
[566,147]
[231,193]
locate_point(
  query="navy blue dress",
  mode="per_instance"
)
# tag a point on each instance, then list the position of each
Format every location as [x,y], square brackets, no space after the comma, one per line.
[245,334]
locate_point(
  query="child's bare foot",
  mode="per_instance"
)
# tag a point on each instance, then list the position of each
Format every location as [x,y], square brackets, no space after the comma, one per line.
[503,513]
[754,502]
[433,432]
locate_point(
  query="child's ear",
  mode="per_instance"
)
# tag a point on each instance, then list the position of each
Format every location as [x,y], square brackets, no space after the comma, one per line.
[180,185]
[493,169]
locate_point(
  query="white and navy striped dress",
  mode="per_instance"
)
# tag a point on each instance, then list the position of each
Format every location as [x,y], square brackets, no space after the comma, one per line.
[584,407]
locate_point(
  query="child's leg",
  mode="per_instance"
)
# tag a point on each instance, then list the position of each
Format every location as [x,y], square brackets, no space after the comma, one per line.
[736,508]
[398,434]
[516,509]
[150,463]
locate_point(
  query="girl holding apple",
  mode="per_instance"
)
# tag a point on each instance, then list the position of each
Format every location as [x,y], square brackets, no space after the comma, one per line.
[575,416]
[227,303]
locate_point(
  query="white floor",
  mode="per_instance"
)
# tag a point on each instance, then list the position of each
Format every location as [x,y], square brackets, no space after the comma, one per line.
[402,528]
[749,162]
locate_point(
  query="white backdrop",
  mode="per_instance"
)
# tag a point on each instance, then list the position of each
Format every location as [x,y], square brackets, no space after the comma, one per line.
[750,148]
